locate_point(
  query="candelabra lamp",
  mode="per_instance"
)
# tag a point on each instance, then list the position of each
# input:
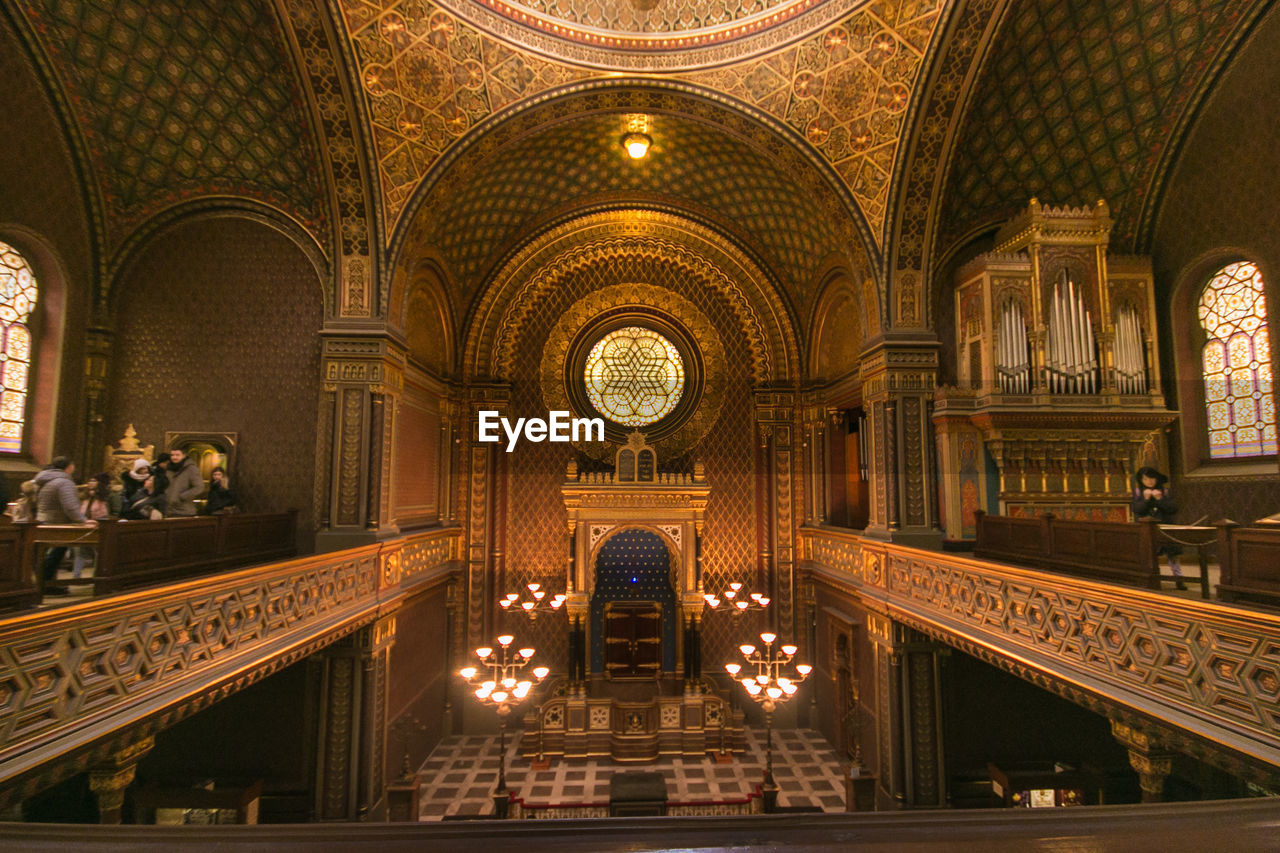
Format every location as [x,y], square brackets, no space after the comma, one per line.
[497,681]
[773,683]
[735,601]
[538,602]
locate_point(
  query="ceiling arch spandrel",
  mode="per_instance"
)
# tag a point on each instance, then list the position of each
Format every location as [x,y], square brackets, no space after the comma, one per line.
[178,101]
[429,77]
[1084,100]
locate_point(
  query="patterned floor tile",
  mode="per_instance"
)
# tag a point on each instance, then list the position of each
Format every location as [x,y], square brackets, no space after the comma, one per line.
[460,774]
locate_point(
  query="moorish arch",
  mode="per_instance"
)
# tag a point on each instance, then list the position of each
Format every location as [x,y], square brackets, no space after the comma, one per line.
[714,160]
[693,249]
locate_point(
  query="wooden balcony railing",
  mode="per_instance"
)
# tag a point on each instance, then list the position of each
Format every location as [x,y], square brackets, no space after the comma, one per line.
[136,553]
[1250,562]
[74,678]
[1117,551]
[1204,673]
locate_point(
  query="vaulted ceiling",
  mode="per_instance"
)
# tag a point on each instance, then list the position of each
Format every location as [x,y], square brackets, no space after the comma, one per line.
[1087,99]
[181,100]
[794,125]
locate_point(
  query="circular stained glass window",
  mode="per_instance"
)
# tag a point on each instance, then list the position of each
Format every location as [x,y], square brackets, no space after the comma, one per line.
[634,376]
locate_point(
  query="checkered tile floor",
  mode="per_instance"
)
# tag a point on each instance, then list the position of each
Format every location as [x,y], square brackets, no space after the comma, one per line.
[459,776]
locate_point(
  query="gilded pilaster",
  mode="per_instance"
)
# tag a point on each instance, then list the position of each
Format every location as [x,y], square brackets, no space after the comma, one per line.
[777,420]
[353,724]
[363,382]
[109,780]
[97,366]
[899,375]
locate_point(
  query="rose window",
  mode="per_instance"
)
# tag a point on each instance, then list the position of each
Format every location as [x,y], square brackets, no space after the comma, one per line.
[634,376]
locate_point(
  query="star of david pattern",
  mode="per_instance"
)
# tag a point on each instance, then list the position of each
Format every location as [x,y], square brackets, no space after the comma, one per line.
[634,376]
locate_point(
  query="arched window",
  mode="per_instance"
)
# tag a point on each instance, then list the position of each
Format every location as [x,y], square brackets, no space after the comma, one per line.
[17,301]
[1236,360]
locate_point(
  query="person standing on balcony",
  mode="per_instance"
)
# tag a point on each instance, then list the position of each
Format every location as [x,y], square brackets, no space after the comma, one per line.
[1153,499]
[185,485]
[57,502]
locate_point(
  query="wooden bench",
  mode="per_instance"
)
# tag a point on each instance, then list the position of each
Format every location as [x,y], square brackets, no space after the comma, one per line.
[1250,561]
[136,553]
[17,581]
[1122,552]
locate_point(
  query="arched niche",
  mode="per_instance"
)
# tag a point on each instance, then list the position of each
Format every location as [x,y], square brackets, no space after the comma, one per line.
[216,330]
[837,332]
[427,321]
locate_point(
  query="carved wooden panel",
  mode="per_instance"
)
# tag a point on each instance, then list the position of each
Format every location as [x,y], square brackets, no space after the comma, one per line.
[1206,669]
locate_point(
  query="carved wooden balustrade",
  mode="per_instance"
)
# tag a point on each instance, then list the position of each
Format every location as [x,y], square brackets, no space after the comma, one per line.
[1203,677]
[78,681]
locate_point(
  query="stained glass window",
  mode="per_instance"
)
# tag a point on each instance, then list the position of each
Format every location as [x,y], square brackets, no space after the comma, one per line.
[17,299]
[634,376]
[1237,364]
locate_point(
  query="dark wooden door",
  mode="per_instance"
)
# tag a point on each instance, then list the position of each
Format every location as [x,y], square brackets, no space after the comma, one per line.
[632,639]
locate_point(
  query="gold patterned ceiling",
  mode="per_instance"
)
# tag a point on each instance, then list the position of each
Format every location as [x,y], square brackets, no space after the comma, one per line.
[651,35]
[429,77]
[349,117]
[495,197]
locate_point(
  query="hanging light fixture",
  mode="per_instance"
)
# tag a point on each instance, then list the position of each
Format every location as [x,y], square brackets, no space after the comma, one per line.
[636,142]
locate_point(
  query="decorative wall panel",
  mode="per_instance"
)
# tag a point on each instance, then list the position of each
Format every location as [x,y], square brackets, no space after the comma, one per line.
[535,511]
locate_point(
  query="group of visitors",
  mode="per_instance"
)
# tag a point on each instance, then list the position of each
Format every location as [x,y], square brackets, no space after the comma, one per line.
[167,488]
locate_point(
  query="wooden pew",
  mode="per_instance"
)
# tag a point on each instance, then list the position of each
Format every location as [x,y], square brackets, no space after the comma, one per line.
[1250,561]
[17,580]
[136,553]
[1122,552]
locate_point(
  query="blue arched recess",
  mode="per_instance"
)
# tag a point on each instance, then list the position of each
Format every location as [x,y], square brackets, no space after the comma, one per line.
[634,565]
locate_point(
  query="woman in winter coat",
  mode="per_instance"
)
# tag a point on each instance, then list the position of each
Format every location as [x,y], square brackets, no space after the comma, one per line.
[1152,498]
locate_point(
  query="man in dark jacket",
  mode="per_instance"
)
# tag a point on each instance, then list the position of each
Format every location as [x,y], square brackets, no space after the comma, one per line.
[185,485]
[57,503]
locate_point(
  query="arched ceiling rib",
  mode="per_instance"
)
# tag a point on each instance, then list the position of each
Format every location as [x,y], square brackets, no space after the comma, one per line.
[1083,99]
[564,156]
[181,100]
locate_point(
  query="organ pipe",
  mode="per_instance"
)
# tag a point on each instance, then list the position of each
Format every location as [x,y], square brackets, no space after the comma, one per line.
[1013,364]
[1072,361]
[1131,372]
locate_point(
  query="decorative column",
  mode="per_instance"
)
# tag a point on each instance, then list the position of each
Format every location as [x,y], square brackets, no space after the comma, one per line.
[97,363]
[899,375]
[1147,757]
[109,780]
[776,419]
[815,460]
[481,509]
[353,724]
[363,384]
[909,721]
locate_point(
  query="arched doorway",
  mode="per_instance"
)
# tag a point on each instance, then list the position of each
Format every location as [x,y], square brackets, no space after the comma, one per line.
[633,607]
